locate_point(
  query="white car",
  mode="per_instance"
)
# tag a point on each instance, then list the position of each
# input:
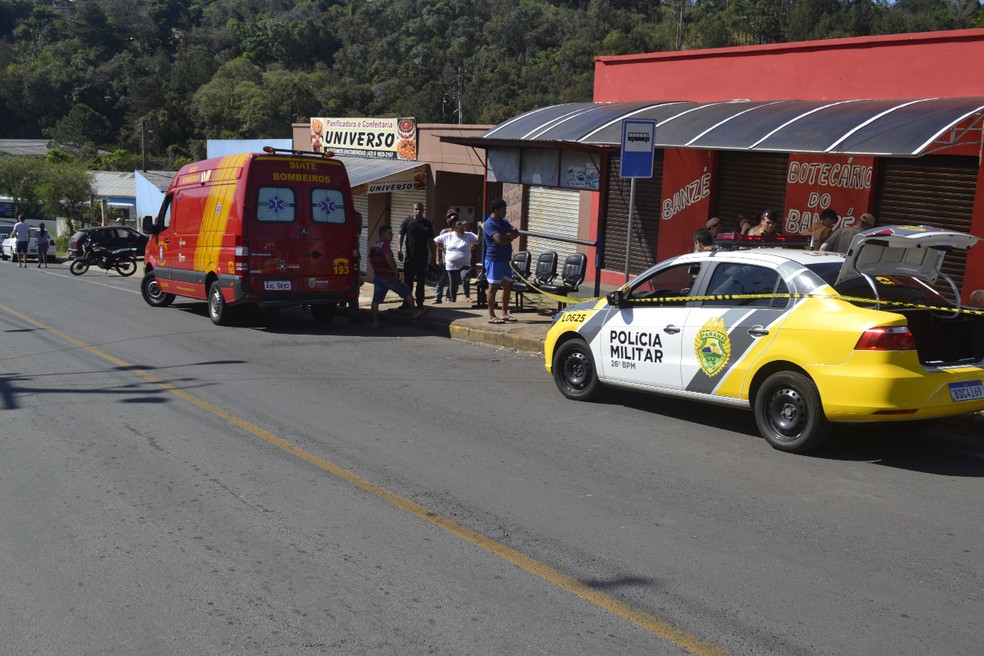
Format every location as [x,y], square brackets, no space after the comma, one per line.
[9,245]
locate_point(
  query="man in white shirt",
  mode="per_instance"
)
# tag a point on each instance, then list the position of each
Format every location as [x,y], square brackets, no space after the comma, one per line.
[22,232]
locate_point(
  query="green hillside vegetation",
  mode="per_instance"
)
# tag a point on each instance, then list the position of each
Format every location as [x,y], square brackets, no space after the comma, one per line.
[98,76]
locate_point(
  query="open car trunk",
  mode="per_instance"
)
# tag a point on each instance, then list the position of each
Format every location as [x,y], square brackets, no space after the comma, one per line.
[946,340]
[899,266]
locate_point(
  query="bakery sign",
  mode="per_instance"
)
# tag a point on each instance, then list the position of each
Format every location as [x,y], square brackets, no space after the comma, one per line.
[381,138]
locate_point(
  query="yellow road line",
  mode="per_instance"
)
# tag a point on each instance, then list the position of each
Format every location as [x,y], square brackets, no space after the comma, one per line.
[568,583]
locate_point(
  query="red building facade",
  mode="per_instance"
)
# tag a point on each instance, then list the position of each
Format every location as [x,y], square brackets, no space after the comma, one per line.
[942,186]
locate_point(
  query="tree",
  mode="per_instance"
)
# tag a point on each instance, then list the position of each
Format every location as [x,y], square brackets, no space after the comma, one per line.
[66,191]
[20,178]
[188,70]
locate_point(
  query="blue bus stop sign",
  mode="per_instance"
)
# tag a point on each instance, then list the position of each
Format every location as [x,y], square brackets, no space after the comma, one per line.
[637,148]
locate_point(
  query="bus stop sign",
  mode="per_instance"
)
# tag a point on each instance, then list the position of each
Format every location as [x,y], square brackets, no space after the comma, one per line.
[637,148]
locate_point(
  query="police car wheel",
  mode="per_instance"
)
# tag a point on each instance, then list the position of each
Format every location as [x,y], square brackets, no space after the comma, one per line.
[150,289]
[574,371]
[789,413]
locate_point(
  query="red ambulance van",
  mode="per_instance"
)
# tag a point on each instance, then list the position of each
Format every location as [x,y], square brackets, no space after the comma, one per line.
[271,229]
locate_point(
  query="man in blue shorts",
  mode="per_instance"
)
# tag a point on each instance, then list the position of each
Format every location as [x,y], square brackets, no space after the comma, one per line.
[384,276]
[499,236]
[22,232]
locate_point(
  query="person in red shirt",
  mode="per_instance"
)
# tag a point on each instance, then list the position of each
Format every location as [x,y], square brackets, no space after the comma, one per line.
[384,277]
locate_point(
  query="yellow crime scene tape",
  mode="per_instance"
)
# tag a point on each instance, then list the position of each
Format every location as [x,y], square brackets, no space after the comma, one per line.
[751,297]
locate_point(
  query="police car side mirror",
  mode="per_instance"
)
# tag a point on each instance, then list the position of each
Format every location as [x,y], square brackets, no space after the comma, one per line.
[616,298]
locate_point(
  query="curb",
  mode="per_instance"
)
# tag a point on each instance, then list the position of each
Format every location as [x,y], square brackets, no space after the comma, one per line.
[473,329]
[460,330]
[496,338]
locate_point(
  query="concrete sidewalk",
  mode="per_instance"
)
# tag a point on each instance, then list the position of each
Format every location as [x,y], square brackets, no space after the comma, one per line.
[470,322]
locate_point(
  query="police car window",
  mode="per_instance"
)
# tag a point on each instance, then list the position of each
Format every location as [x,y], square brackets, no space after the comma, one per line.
[327,206]
[828,271]
[731,279]
[667,285]
[275,205]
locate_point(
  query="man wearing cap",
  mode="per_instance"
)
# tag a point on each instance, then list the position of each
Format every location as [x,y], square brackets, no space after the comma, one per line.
[840,241]
[450,218]
[713,226]
[499,235]
[767,226]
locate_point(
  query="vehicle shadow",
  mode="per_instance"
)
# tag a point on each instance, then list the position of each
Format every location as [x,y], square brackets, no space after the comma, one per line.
[298,321]
[943,447]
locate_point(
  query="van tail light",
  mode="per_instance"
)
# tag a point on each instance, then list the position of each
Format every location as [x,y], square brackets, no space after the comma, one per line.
[887,338]
[241,259]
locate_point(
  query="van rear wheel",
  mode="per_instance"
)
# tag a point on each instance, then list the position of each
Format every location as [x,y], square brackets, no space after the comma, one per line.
[218,310]
[150,289]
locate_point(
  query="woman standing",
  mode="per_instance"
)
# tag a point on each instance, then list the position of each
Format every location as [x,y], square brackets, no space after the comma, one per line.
[44,240]
[457,247]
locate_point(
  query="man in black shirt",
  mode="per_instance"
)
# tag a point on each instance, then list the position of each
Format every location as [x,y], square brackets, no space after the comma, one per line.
[417,234]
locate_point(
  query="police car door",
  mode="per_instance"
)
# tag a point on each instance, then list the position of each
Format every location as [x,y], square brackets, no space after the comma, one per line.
[723,337]
[642,339]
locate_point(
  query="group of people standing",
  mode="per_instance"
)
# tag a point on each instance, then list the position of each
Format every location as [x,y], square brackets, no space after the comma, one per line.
[418,247]
[824,235]
[22,233]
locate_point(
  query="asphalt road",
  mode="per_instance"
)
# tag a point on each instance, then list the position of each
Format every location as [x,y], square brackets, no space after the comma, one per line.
[171,487]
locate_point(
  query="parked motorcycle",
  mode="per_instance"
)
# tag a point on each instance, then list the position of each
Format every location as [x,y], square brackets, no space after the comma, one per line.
[124,260]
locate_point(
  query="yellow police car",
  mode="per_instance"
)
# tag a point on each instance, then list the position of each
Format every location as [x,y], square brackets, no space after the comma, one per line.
[803,338]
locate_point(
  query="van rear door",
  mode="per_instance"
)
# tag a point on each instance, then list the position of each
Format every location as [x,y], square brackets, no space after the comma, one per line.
[300,237]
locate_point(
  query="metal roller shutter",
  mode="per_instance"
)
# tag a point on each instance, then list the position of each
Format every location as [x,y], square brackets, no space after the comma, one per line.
[645,222]
[401,206]
[361,205]
[749,183]
[552,212]
[936,191]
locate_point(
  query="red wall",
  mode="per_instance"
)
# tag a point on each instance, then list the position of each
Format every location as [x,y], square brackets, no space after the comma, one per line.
[924,65]
[688,180]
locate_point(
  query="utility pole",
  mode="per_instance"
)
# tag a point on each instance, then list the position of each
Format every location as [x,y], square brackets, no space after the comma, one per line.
[679,30]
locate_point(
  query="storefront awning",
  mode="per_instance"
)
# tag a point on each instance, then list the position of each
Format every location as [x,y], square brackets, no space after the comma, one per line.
[896,128]
[363,170]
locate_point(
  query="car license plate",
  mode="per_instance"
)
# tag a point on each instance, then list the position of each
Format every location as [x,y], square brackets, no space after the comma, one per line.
[968,391]
[276,285]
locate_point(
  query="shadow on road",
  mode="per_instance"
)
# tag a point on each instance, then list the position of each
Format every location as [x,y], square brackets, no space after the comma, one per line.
[945,447]
[14,385]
